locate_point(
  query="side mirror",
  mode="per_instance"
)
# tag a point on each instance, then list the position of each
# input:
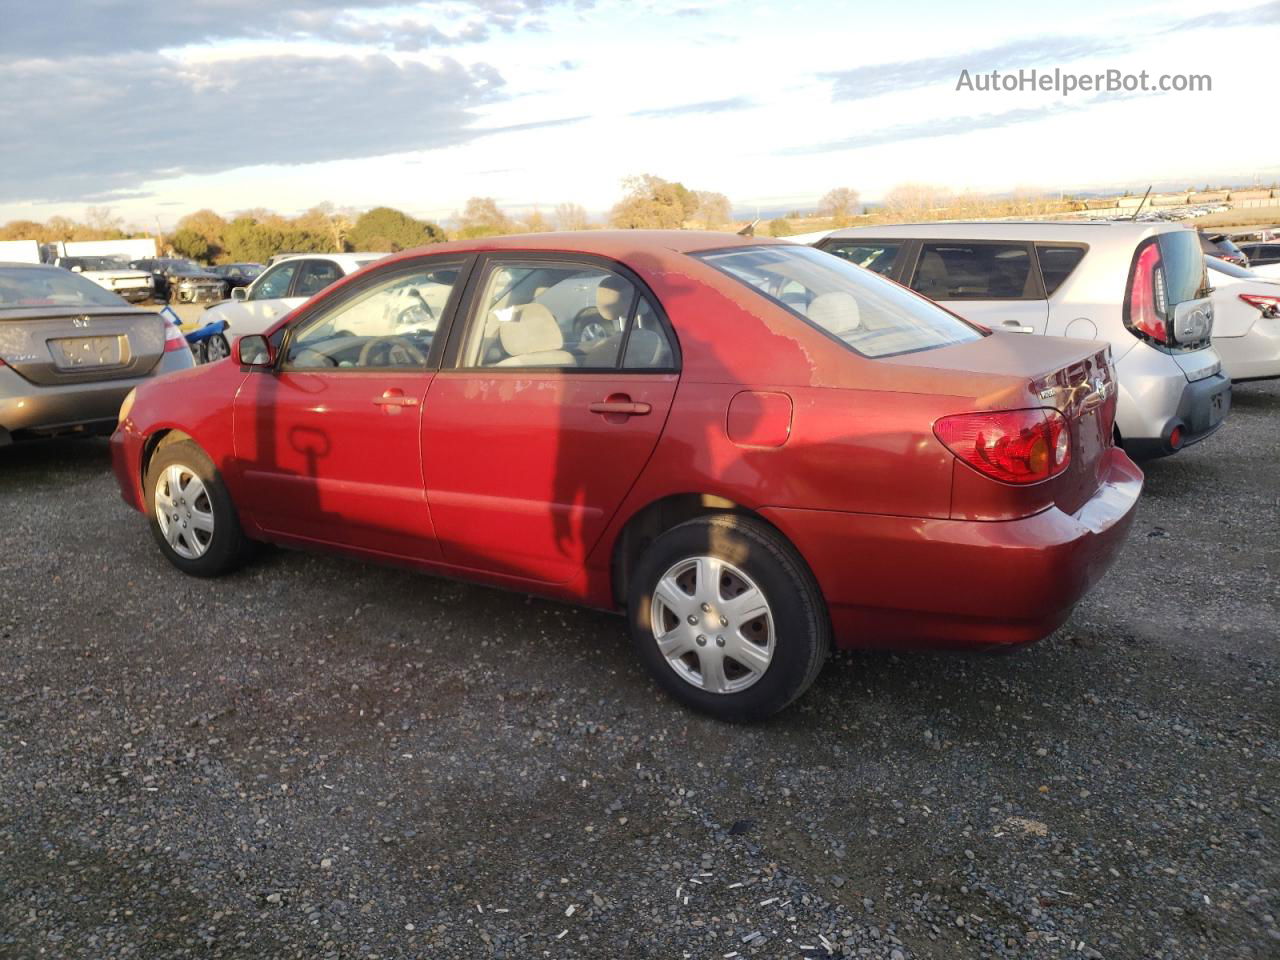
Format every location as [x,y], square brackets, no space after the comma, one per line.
[239,293]
[253,350]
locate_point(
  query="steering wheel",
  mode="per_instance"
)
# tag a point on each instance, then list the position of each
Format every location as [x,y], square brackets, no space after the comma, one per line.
[396,352]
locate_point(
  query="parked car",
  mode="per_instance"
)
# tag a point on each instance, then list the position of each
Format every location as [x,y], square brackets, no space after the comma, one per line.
[237,274]
[183,281]
[70,352]
[284,285]
[1221,246]
[111,274]
[1246,321]
[1140,287]
[768,450]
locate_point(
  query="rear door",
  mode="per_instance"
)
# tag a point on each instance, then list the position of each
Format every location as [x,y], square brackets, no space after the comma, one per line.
[992,282]
[549,404]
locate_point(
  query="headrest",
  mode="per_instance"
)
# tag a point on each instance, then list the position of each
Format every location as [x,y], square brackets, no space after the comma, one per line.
[533,331]
[613,295]
[647,349]
[835,311]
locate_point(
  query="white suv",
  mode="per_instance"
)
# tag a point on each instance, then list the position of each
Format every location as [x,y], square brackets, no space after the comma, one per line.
[1139,286]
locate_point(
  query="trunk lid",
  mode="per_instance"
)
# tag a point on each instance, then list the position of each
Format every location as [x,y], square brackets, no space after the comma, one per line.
[1074,377]
[53,346]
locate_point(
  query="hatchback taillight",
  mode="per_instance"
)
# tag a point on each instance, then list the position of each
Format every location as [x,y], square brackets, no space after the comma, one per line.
[1146,304]
[1012,446]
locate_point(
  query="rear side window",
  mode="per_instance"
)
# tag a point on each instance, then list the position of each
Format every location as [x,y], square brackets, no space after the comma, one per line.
[1185,276]
[962,270]
[1056,264]
[868,314]
[873,255]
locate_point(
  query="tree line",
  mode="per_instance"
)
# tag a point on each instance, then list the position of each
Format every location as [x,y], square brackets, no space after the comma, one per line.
[648,203]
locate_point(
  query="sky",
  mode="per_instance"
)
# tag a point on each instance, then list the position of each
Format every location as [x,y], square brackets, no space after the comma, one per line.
[156,109]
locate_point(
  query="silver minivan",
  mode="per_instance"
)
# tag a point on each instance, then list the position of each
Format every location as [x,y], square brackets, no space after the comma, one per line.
[1141,287]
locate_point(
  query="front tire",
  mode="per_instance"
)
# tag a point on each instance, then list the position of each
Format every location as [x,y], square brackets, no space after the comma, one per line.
[728,618]
[192,517]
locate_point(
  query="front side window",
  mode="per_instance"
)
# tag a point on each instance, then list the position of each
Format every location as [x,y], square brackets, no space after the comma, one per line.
[274,284]
[392,323]
[874,255]
[870,315]
[963,270]
[561,314]
[315,275]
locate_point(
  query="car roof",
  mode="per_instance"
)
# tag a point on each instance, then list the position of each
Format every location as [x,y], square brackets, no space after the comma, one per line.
[619,245]
[346,259]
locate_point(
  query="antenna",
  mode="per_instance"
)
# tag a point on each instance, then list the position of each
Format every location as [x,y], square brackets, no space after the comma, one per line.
[1141,203]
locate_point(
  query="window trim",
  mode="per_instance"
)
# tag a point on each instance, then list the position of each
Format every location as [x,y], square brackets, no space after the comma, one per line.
[467,313]
[465,264]
[1033,266]
[1037,244]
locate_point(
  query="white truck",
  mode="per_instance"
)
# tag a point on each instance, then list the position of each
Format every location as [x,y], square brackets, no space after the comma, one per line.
[19,251]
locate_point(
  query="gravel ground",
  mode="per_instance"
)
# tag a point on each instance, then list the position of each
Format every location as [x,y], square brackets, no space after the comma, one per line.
[318,758]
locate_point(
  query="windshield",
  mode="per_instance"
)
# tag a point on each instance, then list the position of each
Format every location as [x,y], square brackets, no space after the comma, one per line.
[184,267]
[94,263]
[41,287]
[870,315]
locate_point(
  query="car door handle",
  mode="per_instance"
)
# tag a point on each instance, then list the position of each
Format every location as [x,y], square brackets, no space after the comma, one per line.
[395,400]
[1013,326]
[626,408]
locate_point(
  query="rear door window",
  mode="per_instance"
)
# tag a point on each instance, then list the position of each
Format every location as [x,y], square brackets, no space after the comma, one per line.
[972,270]
[1057,263]
[877,256]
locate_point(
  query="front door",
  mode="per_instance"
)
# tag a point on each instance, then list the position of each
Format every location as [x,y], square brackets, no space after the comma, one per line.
[551,402]
[327,444]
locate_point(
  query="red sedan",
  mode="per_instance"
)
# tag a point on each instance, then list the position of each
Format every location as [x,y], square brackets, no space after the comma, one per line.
[753,448]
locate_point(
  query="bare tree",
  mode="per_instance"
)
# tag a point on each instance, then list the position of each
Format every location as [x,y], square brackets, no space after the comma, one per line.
[482,218]
[916,201]
[535,222]
[840,204]
[713,208]
[571,216]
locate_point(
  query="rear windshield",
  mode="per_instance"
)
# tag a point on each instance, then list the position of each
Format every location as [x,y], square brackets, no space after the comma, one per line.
[43,287]
[872,316]
[1185,276]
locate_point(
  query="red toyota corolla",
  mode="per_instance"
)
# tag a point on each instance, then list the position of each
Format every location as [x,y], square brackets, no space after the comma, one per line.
[753,448]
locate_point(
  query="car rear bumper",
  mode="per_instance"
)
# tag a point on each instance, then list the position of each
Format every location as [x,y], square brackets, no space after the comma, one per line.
[76,407]
[1254,356]
[1161,393]
[904,582]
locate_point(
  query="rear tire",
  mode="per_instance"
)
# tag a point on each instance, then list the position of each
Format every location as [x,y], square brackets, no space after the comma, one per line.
[742,628]
[191,514]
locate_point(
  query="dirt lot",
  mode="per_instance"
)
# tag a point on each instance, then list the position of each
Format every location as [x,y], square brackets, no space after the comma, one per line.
[318,758]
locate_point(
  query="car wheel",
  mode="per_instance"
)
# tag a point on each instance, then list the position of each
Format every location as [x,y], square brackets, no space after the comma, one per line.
[215,348]
[728,618]
[192,516]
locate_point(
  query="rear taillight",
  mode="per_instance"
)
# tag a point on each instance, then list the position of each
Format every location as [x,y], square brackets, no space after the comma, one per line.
[1270,306]
[1012,446]
[1146,305]
[173,338]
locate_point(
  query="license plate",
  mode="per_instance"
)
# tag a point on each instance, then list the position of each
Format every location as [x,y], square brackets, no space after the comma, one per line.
[1216,404]
[85,352]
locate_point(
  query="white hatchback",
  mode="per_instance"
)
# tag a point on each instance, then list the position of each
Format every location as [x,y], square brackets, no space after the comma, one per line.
[1142,287]
[285,285]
